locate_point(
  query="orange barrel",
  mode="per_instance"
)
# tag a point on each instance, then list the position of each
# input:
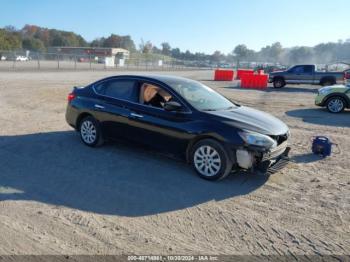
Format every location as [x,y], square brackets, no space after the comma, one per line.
[246,80]
[254,81]
[240,72]
[264,80]
[223,75]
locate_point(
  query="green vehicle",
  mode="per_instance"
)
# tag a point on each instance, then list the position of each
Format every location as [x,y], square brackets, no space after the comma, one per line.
[336,98]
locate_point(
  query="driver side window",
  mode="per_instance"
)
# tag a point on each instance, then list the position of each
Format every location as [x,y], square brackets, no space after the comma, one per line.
[298,70]
[153,95]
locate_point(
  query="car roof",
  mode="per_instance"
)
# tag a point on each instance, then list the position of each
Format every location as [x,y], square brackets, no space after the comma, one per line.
[160,78]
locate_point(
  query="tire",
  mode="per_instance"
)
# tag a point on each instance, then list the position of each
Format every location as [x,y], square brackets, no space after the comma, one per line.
[279,83]
[327,82]
[210,160]
[335,104]
[90,132]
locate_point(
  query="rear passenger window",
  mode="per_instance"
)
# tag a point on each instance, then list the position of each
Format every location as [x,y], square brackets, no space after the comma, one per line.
[121,89]
[99,88]
[308,69]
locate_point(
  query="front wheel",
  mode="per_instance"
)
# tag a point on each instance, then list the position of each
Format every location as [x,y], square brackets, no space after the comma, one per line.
[279,83]
[335,104]
[90,132]
[211,160]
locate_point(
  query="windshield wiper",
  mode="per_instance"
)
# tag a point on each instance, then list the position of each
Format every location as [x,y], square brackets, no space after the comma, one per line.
[219,109]
[209,109]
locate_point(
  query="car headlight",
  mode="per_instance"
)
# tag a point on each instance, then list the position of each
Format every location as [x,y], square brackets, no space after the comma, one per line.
[324,90]
[257,139]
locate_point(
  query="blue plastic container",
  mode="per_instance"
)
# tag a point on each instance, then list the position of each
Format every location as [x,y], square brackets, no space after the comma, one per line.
[321,145]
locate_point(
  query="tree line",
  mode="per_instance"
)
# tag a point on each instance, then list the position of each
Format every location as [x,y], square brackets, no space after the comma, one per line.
[39,39]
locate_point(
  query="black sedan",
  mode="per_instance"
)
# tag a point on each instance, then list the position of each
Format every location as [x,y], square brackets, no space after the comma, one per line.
[180,116]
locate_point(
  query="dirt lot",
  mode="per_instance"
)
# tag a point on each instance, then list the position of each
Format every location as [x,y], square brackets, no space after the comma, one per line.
[58,196]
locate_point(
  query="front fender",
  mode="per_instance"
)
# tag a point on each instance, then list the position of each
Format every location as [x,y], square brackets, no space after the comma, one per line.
[342,95]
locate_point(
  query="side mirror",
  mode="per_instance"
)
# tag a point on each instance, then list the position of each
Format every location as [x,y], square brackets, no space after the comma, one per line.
[172,106]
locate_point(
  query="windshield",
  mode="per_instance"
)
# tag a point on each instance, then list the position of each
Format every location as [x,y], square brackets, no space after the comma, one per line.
[200,96]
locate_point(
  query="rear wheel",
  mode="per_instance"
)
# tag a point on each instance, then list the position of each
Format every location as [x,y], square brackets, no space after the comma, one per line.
[90,132]
[211,160]
[279,83]
[335,104]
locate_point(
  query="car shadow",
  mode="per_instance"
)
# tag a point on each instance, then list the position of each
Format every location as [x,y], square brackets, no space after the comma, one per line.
[321,116]
[294,89]
[57,169]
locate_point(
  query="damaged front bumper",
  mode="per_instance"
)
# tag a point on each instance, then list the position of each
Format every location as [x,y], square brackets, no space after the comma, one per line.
[268,162]
[271,165]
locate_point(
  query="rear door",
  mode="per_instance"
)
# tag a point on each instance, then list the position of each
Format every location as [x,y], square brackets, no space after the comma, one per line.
[114,111]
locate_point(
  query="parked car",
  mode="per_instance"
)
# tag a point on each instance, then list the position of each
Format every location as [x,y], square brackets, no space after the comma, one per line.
[334,98]
[305,74]
[83,59]
[101,60]
[22,58]
[180,116]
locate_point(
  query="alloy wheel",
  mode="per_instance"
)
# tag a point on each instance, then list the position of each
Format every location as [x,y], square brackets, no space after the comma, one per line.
[278,83]
[335,105]
[88,132]
[207,161]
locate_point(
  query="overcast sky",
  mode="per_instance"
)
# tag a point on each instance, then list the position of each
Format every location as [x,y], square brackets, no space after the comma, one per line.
[197,25]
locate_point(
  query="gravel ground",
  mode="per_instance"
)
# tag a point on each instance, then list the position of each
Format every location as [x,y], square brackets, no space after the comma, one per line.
[58,196]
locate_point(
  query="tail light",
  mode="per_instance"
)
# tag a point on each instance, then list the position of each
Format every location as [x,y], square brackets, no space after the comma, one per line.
[347,75]
[70,97]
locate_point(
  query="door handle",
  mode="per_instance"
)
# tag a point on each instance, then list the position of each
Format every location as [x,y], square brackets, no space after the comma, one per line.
[136,115]
[99,106]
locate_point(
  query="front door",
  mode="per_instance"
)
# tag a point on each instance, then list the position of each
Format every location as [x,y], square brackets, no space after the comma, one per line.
[156,127]
[300,74]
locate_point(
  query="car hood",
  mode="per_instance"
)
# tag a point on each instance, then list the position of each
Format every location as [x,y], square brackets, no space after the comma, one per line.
[253,120]
[334,88]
